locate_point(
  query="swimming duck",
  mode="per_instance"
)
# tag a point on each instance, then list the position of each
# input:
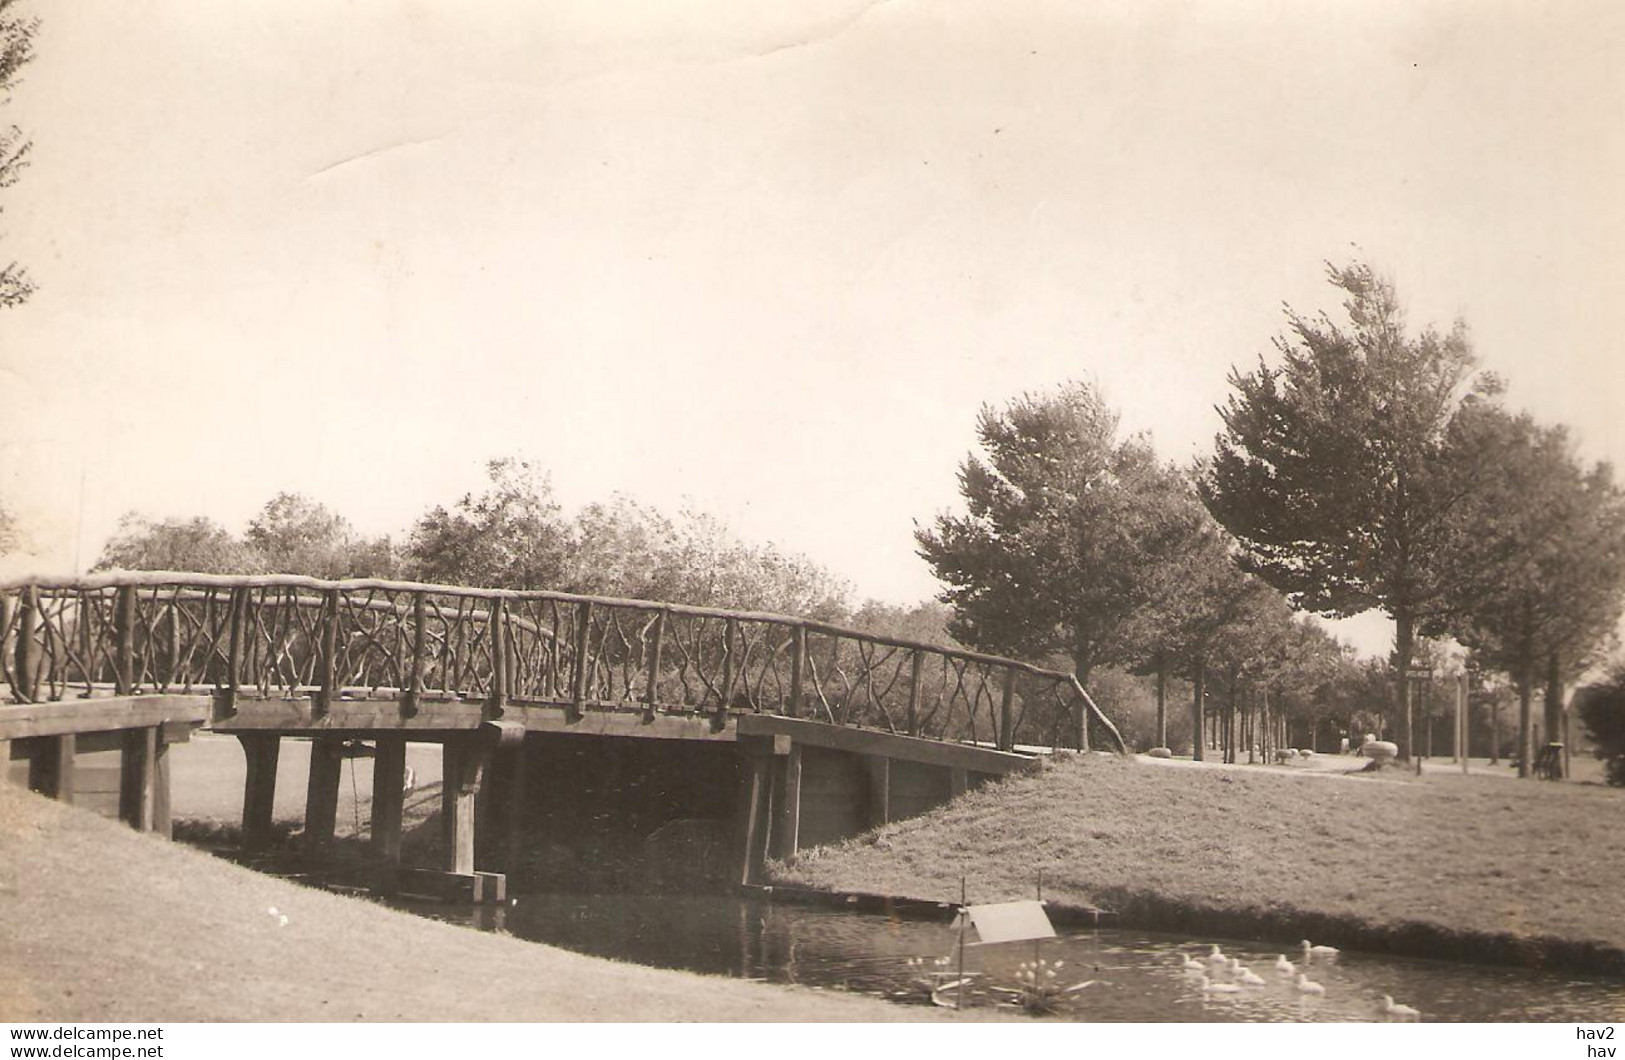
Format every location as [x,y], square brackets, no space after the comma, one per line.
[1247,977]
[1400,1012]
[1309,986]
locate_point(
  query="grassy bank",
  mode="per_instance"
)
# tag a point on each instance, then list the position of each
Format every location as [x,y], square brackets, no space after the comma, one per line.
[1469,867]
[101,923]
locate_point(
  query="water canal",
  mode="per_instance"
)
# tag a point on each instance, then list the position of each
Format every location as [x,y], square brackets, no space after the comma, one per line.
[1136,975]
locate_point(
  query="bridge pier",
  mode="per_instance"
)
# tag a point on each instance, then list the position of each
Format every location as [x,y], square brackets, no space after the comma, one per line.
[879,790]
[500,812]
[756,807]
[388,797]
[51,767]
[260,752]
[138,778]
[787,826]
[322,792]
[464,759]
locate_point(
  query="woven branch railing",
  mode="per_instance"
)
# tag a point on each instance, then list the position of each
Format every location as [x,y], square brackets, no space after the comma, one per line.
[294,637]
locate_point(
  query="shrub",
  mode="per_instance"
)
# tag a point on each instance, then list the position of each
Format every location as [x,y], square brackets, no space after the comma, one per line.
[1602,712]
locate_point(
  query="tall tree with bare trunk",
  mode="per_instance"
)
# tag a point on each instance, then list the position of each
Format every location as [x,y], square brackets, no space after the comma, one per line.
[1330,469]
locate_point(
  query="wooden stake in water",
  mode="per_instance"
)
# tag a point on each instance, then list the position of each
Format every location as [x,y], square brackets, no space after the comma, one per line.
[964,919]
[1038,942]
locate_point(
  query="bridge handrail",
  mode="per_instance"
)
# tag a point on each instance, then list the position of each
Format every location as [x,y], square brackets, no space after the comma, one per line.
[298,649]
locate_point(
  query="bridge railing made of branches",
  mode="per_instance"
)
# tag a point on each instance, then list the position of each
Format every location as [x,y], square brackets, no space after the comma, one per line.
[290,637]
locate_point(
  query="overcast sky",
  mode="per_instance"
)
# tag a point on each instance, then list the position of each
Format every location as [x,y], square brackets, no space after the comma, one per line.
[770,257]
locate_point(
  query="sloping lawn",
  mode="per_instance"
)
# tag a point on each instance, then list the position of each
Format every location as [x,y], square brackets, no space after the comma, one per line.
[100,923]
[1360,857]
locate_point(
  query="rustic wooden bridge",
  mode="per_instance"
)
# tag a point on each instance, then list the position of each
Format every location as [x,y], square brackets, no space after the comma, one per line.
[814,730]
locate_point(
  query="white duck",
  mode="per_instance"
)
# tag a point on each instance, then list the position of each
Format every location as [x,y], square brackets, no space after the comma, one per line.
[1210,987]
[1311,951]
[1308,986]
[1244,975]
[1217,959]
[1399,1012]
[1190,965]
[1284,966]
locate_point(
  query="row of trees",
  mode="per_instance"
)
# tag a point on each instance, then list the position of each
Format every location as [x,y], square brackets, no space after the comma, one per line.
[1365,468]
[1082,548]
[513,534]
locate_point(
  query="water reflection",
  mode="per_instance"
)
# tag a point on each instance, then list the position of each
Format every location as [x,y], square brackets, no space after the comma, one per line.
[1138,976]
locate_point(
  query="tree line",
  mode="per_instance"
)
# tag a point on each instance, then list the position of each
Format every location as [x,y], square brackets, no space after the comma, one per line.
[1364,466]
[514,534]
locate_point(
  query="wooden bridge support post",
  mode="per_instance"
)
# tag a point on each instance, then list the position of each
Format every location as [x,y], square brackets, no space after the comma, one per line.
[755,809]
[412,695]
[322,792]
[327,661]
[798,667]
[915,671]
[259,787]
[497,697]
[657,639]
[50,769]
[500,808]
[163,822]
[730,669]
[463,762]
[879,790]
[580,671]
[1007,715]
[25,664]
[787,828]
[388,796]
[138,777]
[225,693]
[512,807]
[124,619]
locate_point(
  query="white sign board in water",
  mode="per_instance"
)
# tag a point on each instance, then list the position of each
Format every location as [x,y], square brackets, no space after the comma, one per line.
[1011,922]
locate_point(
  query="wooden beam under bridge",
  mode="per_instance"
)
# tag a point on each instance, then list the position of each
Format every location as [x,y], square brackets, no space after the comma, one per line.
[884,744]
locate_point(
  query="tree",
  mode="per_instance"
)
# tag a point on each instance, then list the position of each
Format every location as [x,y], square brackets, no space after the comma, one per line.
[11,537]
[200,545]
[296,535]
[704,563]
[512,536]
[1299,678]
[926,622]
[1185,600]
[1219,627]
[1330,469]
[616,549]
[1536,568]
[16,50]
[1602,712]
[1067,532]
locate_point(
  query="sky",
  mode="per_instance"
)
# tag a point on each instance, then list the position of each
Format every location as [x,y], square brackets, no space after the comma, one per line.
[765,258]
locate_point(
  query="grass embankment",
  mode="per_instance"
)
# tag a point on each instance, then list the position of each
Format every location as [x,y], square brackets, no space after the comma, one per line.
[102,923]
[1475,868]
